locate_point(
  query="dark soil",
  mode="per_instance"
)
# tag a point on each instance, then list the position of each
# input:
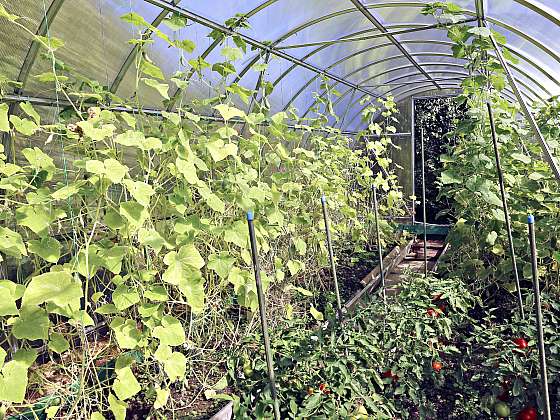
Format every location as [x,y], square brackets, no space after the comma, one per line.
[352,268]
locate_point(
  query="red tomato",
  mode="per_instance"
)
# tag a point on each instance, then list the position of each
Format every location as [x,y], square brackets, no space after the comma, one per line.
[432,312]
[437,366]
[528,413]
[442,308]
[324,389]
[521,343]
[389,374]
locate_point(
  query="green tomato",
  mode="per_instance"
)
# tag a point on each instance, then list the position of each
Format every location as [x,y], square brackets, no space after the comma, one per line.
[247,371]
[502,409]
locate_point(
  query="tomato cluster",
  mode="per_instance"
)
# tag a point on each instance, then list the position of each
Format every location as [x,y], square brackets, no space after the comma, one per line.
[389,374]
[324,388]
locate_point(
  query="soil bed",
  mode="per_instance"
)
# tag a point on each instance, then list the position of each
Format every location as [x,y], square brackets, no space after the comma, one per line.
[352,268]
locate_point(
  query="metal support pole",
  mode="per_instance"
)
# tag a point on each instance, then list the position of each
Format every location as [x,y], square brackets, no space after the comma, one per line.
[379,248]
[505,208]
[331,256]
[262,312]
[211,24]
[156,112]
[540,337]
[525,109]
[413,157]
[424,202]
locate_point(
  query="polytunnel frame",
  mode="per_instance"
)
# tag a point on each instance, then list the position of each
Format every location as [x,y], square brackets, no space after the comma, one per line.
[495,21]
[168,7]
[440,42]
[173,7]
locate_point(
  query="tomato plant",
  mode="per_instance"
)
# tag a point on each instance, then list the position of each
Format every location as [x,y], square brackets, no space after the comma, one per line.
[379,358]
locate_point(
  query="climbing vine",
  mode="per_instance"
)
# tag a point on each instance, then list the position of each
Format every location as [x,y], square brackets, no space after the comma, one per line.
[128,229]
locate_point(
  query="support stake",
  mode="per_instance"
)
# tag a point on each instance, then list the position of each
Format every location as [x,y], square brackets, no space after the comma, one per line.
[506,209]
[331,256]
[262,312]
[379,249]
[540,336]
[424,203]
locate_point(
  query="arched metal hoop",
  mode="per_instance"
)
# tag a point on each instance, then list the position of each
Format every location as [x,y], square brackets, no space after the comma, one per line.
[434,42]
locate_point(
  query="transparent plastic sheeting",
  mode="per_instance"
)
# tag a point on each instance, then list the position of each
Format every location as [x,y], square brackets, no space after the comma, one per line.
[310,30]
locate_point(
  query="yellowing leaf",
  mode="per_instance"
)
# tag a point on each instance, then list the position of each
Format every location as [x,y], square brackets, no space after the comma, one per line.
[125,297]
[13,377]
[134,19]
[47,248]
[11,243]
[182,263]
[10,292]
[219,151]
[4,122]
[162,395]
[24,126]
[162,88]
[175,366]
[58,343]
[151,70]
[32,324]
[232,53]
[135,213]
[126,385]
[59,288]
[221,263]
[316,314]
[141,191]
[128,336]
[50,43]
[29,110]
[4,13]
[228,112]
[118,408]
[170,332]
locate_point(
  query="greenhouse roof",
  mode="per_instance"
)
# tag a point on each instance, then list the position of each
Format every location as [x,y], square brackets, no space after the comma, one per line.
[364,47]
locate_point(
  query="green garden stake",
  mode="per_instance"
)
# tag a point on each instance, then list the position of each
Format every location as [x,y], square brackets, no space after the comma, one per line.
[331,256]
[505,209]
[262,312]
[379,249]
[424,203]
[540,336]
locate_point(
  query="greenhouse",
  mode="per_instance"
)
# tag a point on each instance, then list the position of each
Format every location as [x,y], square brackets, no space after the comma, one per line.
[279,209]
